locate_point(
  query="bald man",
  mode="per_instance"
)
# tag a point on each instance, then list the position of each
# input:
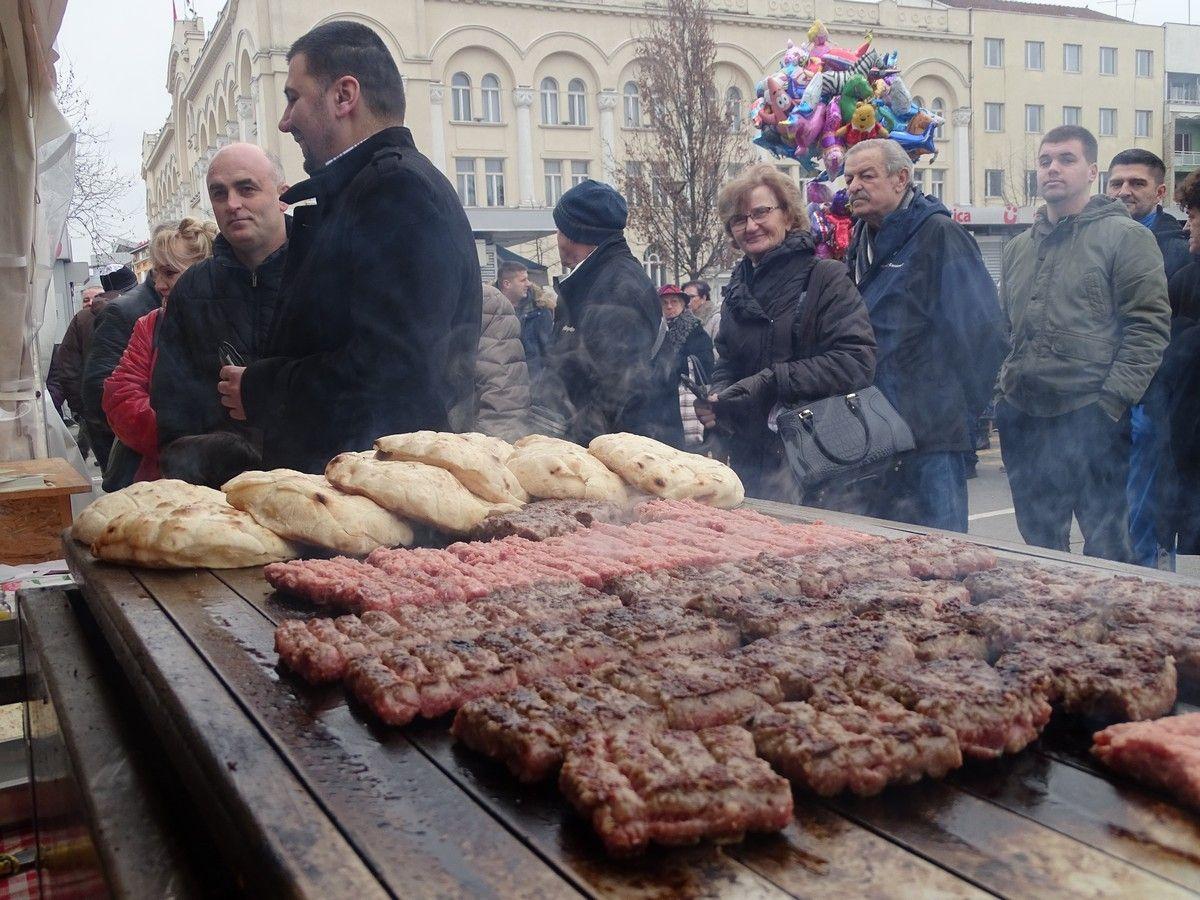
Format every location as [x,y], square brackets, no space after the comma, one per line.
[221,309]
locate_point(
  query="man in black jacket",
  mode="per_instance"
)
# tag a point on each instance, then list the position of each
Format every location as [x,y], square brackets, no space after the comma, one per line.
[109,339]
[597,376]
[226,302]
[1138,179]
[381,308]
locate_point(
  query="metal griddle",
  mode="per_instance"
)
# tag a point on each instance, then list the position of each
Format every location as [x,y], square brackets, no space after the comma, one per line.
[306,795]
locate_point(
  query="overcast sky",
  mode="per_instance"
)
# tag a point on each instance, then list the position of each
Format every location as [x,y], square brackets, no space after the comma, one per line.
[119,52]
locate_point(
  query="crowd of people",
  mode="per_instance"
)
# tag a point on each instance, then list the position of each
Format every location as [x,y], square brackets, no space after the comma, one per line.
[273,339]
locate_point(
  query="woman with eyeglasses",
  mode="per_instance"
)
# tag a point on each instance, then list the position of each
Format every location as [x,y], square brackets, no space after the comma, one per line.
[793,329]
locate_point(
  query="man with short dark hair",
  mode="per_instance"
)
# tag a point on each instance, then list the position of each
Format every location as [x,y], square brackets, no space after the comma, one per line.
[370,340]
[597,378]
[1086,298]
[537,322]
[937,325]
[1138,179]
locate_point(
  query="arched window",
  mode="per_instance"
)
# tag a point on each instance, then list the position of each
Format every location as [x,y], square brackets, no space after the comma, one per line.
[733,109]
[655,268]
[919,100]
[938,109]
[576,102]
[460,94]
[549,101]
[490,88]
[633,106]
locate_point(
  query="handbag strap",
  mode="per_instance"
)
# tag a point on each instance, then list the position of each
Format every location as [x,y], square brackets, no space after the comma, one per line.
[806,328]
[853,404]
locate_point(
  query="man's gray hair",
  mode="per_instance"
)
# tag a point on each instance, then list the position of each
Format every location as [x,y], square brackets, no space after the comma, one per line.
[894,157]
[276,167]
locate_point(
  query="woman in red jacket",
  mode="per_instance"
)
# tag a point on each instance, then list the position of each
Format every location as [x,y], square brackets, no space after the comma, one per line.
[127,390]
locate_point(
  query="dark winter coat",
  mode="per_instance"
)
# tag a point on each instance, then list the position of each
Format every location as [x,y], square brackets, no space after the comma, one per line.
[66,369]
[937,321]
[215,301]
[537,329]
[1172,241]
[597,373]
[501,376]
[113,329]
[793,329]
[1174,398]
[381,312]
[1184,291]
[685,338]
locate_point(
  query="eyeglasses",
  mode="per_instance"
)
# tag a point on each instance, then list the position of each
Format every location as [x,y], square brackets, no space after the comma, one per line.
[758,214]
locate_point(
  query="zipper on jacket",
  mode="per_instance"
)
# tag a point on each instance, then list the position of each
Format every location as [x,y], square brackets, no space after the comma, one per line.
[254,278]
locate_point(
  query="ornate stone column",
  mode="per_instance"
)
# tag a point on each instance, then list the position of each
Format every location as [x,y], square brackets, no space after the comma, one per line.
[245,117]
[607,101]
[962,156]
[255,109]
[437,124]
[523,100]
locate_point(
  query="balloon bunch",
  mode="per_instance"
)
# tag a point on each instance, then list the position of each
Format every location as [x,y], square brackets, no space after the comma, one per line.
[825,99]
[829,216]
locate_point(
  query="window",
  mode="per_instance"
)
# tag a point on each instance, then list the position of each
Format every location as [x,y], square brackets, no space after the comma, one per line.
[1141,123]
[633,178]
[937,183]
[938,108]
[1031,187]
[1183,142]
[655,268]
[1108,122]
[490,88]
[921,180]
[1072,115]
[1108,60]
[1035,55]
[493,177]
[993,52]
[1102,183]
[464,174]
[1145,63]
[733,109]
[576,102]
[633,106]
[549,101]
[1072,57]
[993,183]
[554,184]
[579,171]
[1185,88]
[733,170]
[993,117]
[1033,118]
[460,97]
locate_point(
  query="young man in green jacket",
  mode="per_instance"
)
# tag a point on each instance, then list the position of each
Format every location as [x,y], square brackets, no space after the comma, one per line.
[1086,299]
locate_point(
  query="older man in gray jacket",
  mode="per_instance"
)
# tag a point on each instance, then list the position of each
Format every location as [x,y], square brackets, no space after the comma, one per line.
[1086,299]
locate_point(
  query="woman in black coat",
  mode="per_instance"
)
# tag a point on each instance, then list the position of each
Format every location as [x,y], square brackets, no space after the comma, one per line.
[793,329]
[685,338]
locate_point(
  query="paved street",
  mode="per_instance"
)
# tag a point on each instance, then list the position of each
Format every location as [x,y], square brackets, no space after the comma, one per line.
[991,512]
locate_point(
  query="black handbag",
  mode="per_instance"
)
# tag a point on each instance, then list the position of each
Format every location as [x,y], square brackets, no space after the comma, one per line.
[842,439]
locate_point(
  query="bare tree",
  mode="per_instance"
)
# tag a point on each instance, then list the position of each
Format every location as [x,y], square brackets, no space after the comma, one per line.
[1016,163]
[99,184]
[679,161]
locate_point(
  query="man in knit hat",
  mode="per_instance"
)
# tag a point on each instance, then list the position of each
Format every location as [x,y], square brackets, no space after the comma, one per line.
[596,377]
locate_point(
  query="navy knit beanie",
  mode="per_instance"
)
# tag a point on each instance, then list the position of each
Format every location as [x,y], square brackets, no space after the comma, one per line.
[591,213]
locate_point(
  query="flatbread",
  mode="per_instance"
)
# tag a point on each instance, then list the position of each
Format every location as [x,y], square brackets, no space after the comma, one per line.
[167,493]
[476,460]
[412,490]
[659,469]
[307,508]
[204,535]
[561,470]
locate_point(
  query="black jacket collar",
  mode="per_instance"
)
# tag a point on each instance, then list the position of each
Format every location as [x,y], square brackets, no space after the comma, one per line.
[224,255]
[581,280]
[330,180]
[754,291]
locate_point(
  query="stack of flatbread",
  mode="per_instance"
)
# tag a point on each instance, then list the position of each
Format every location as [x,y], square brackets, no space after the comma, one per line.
[308,509]
[203,535]
[659,469]
[141,497]
[416,491]
[476,460]
[555,469]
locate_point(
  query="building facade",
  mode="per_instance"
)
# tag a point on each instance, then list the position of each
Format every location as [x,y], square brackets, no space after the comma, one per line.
[1181,108]
[516,100]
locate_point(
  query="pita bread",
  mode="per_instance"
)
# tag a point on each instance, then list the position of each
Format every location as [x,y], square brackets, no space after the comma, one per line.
[202,535]
[307,508]
[413,490]
[561,470]
[659,469]
[142,495]
[474,459]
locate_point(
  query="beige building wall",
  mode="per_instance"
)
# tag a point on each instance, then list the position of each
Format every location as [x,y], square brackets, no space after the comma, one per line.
[1015,85]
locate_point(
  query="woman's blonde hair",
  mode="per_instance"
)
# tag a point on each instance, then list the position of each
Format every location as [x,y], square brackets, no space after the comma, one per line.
[179,248]
[787,196]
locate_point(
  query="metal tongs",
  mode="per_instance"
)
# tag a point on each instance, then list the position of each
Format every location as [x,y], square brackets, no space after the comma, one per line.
[698,385]
[229,355]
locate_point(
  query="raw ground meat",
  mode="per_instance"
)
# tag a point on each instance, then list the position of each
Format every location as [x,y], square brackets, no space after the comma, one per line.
[1164,753]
